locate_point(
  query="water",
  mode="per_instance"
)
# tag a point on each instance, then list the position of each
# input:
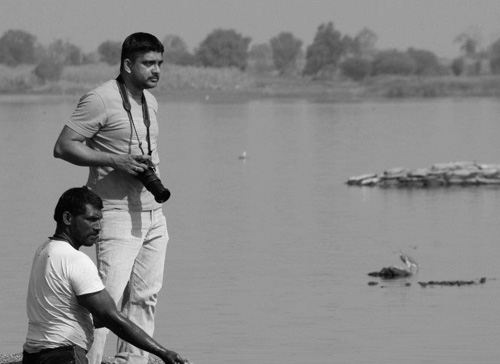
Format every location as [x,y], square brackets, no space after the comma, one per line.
[268,255]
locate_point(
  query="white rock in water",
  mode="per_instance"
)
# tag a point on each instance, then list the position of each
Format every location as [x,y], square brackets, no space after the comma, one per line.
[420,172]
[370,181]
[359,179]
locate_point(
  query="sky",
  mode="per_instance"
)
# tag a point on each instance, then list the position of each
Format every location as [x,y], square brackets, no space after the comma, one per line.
[423,24]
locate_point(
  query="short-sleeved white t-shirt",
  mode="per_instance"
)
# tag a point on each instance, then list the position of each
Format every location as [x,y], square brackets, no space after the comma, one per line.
[59,274]
[101,118]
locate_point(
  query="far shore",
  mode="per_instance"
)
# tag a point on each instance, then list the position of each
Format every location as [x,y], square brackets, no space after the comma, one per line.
[191,83]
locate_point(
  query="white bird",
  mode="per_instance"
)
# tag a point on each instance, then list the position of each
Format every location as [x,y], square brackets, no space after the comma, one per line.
[409,261]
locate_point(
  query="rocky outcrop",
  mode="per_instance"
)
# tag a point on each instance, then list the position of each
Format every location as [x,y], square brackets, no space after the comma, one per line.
[438,175]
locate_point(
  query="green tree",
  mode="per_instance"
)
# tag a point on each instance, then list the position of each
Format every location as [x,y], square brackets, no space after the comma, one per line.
[285,49]
[494,57]
[349,46]
[393,62]
[65,53]
[364,43]
[469,41]
[426,62]
[110,52]
[223,48]
[457,66]
[176,51]
[49,69]
[260,58]
[17,47]
[356,68]
[325,51]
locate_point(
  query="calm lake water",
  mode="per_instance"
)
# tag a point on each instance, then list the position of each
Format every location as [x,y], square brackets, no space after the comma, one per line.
[268,257]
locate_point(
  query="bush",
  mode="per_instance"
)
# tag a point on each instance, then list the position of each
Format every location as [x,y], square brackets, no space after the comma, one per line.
[110,52]
[426,62]
[200,78]
[18,79]
[393,62]
[49,70]
[495,65]
[356,68]
[457,66]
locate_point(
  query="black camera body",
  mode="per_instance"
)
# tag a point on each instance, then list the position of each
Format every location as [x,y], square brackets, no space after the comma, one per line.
[153,184]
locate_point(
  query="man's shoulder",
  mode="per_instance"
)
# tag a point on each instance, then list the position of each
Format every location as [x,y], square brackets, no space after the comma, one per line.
[106,88]
[103,95]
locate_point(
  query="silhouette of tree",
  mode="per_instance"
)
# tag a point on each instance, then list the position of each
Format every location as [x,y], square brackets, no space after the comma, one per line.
[224,48]
[426,62]
[325,51]
[286,49]
[110,52]
[17,47]
[260,58]
[176,51]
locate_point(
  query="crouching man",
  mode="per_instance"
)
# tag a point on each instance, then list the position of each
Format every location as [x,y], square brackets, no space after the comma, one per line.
[66,297]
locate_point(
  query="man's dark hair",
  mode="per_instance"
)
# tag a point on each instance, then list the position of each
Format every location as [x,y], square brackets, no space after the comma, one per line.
[75,201]
[139,43]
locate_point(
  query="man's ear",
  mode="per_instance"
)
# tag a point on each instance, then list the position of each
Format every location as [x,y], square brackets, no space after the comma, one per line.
[67,217]
[127,65]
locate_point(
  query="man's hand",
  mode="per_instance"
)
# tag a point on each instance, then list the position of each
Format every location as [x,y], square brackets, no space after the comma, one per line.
[131,163]
[171,357]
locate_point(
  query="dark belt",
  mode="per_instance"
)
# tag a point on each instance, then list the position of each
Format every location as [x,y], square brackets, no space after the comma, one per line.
[46,355]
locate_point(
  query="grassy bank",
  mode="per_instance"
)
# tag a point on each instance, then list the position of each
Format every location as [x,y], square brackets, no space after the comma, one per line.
[183,80]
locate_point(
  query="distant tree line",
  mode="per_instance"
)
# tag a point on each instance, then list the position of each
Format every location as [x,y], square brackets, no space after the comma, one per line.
[330,54]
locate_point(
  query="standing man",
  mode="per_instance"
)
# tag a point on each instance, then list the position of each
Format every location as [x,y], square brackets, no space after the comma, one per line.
[66,295]
[109,132]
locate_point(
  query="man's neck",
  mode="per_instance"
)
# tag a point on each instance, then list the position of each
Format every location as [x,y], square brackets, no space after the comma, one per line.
[64,237]
[134,91]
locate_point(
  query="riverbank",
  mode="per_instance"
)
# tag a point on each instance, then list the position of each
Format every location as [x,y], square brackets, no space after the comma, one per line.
[199,82]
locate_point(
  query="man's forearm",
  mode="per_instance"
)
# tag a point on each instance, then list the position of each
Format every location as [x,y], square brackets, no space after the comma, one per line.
[133,334]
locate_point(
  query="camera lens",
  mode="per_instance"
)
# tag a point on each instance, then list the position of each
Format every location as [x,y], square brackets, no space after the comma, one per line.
[153,184]
[160,193]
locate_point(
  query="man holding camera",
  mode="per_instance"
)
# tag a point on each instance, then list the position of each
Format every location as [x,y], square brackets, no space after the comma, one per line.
[66,295]
[109,131]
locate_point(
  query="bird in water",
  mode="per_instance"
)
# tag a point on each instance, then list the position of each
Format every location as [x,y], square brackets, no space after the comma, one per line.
[410,268]
[243,155]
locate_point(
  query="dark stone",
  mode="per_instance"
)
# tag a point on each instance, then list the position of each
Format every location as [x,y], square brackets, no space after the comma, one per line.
[391,273]
[452,283]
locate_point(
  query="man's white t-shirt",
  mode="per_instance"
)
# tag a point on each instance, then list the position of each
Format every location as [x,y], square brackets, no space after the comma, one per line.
[59,274]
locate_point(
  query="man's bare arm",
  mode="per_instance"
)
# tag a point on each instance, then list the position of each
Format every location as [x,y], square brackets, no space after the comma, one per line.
[71,147]
[103,309]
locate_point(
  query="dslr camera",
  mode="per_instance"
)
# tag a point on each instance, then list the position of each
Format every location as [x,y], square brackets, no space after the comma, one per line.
[153,184]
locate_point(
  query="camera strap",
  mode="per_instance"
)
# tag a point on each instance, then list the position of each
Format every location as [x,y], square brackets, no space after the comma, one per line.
[145,112]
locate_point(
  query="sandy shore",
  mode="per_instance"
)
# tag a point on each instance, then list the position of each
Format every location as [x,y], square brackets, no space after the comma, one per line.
[11,359]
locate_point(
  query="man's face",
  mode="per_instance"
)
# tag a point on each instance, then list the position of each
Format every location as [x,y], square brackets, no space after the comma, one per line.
[145,70]
[85,228]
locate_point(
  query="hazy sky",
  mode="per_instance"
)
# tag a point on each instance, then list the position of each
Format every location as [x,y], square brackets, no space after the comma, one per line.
[425,24]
